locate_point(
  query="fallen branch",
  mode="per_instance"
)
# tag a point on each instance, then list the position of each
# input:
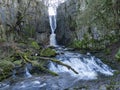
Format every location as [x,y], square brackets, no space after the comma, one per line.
[26,59]
[59,62]
[35,63]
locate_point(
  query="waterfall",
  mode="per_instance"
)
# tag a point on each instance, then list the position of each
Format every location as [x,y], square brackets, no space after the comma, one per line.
[27,73]
[52,20]
[52,7]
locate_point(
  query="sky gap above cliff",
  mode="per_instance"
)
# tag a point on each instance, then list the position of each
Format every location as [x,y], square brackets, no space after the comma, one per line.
[52,6]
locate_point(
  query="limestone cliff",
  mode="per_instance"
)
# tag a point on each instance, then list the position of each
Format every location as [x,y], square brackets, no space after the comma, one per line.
[88,23]
[24,18]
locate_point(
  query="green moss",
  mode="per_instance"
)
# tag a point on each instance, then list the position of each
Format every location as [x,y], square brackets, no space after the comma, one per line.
[107,51]
[117,56]
[116,72]
[42,68]
[17,62]
[2,40]
[6,68]
[35,45]
[77,44]
[110,87]
[6,64]
[48,52]
[30,30]
[47,70]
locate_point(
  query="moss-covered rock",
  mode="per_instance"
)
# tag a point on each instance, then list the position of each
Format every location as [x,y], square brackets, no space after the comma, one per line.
[35,45]
[48,52]
[117,56]
[76,44]
[17,62]
[107,51]
[86,44]
[4,64]
[2,40]
[6,68]
[40,67]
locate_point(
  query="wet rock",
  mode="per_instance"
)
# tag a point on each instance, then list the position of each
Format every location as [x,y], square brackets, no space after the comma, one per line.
[48,52]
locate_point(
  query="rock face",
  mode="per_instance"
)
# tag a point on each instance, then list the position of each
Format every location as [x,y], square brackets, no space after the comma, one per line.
[94,23]
[64,31]
[42,26]
[24,17]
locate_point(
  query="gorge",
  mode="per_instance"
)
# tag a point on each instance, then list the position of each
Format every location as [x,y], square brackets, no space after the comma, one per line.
[86,65]
[61,38]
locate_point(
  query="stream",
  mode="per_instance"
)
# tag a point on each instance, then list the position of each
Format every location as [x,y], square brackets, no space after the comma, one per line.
[88,67]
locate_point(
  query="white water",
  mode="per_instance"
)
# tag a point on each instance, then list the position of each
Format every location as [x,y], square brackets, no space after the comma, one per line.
[27,73]
[52,19]
[52,7]
[87,66]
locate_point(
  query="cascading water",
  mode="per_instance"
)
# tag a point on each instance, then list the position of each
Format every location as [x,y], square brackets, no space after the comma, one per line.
[27,73]
[52,20]
[53,27]
[87,66]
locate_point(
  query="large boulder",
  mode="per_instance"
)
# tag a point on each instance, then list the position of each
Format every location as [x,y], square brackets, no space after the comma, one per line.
[6,68]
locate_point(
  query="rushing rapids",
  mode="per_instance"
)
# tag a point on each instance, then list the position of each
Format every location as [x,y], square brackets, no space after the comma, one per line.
[88,66]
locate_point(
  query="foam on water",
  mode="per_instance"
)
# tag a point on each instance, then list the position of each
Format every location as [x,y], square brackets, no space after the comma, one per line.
[87,66]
